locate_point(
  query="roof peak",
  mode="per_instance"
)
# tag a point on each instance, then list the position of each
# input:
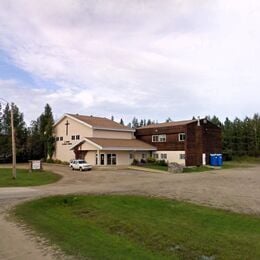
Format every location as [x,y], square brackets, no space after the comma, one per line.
[172,123]
[99,122]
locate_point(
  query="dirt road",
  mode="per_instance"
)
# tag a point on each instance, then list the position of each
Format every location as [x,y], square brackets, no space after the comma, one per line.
[235,189]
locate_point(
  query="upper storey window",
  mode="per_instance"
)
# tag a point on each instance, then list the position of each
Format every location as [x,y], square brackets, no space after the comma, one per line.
[182,137]
[158,138]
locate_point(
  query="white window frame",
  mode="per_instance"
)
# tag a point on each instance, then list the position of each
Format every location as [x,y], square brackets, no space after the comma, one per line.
[156,156]
[155,138]
[111,159]
[159,138]
[162,138]
[182,137]
[163,156]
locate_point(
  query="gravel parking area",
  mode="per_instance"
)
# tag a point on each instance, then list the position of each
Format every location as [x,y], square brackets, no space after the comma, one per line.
[235,189]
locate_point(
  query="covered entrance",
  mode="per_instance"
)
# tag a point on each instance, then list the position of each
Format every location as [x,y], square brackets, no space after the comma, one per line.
[106,159]
[111,152]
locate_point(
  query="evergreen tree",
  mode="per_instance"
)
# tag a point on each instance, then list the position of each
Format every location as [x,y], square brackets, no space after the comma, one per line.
[35,146]
[112,118]
[135,123]
[256,129]
[149,122]
[46,123]
[215,120]
[20,134]
[122,122]
[168,120]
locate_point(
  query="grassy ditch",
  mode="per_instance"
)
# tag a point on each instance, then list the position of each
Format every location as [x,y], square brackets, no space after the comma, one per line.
[25,178]
[135,227]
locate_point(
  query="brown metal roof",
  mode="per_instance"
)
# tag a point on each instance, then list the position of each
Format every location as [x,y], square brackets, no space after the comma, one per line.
[176,123]
[130,144]
[100,122]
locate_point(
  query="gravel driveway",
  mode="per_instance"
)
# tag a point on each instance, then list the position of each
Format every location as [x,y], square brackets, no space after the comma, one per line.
[235,189]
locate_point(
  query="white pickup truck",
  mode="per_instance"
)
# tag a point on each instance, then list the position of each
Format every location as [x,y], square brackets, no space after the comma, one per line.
[80,165]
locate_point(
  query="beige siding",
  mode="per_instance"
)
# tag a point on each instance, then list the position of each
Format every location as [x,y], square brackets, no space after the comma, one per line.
[172,156]
[64,153]
[87,147]
[123,158]
[62,150]
[75,128]
[91,157]
[113,134]
[139,155]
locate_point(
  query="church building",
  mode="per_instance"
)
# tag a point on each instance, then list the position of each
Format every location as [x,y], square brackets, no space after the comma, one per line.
[98,140]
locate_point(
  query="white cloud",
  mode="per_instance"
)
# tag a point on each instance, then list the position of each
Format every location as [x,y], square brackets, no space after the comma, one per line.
[144,58]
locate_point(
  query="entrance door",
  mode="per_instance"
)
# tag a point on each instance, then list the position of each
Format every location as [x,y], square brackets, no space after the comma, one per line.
[111,159]
[102,159]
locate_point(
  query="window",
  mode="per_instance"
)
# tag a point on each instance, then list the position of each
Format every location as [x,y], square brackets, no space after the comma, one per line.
[111,159]
[155,138]
[61,138]
[73,137]
[77,137]
[182,137]
[57,139]
[162,138]
[158,138]
[163,156]
[182,156]
[155,156]
[144,155]
[131,156]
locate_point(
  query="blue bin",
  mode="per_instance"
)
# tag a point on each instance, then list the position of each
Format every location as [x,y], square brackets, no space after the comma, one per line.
[219,160]
[215,160]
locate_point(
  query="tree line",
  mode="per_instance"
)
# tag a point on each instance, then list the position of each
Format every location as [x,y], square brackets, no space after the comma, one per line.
[33,142]
[239,137]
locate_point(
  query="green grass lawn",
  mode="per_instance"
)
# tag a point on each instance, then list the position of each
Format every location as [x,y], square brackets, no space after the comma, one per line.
[25,178]
[135,227]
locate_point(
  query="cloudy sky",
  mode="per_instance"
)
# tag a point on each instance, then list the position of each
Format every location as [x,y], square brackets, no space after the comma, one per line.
[145,58]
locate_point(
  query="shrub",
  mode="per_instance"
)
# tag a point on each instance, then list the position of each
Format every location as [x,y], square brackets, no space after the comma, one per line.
[161,163]
[143,161]
[57,161]
[135,162]
[151,160]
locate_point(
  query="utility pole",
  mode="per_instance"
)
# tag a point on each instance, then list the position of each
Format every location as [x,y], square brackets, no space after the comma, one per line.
[13,142]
